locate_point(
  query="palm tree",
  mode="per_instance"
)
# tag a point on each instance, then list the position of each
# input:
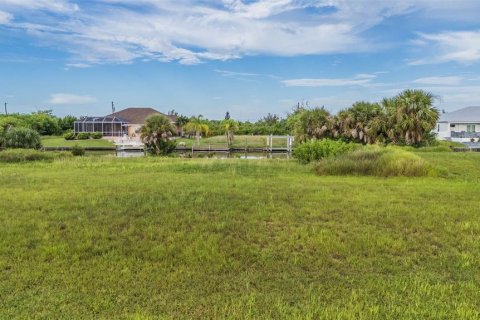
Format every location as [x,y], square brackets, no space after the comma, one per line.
[229,126]
[181,122]
[313,123]
[413,115]
[197,126]
[356,122]
[156,134]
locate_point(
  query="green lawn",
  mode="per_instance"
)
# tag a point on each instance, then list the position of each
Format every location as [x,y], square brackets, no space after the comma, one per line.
[239,141]
[103,238]
[56,141]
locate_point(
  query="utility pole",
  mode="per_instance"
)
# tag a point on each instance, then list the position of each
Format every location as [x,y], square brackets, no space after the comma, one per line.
[6,113]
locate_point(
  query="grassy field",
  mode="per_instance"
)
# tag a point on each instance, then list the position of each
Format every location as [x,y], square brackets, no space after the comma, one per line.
[240,239]
[58,141]
[239,141]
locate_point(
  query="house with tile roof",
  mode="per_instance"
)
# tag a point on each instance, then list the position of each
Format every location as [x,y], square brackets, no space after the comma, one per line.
[126,122]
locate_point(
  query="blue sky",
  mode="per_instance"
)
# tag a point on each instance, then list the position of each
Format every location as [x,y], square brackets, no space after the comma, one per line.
[246,57]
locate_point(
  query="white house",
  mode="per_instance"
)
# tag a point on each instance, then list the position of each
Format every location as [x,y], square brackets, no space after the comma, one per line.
[461,125]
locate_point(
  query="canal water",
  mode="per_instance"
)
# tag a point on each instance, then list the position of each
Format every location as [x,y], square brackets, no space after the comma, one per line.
[214,155]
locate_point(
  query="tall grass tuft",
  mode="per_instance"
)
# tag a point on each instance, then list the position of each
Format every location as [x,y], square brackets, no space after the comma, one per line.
[23,155]
[377,161]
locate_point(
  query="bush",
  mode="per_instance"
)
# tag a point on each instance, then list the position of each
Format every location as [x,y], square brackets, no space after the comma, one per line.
[377,161]
[23,155]
[78,150]
[97,135]
[315,150]
[161,147]
[83,136]
[22,138]
[69,135]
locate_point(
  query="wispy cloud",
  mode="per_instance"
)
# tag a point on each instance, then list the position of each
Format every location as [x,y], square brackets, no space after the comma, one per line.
[228,73]
[455,46]
[70,99]
[5,17]
[358,80]
[192,31]
[442,81]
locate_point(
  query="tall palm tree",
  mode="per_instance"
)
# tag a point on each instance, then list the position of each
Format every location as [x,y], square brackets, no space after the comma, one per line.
[414,115]
[156,134]
[197,126]
[229,126]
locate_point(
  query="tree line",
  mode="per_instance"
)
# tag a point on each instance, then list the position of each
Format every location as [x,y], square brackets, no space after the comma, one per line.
[407,118]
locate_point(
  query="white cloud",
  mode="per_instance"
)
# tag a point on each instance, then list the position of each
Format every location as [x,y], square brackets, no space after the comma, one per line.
[62,6]
[70,99]
[358,80]
[5,17]
[443,81]
[193,31]
[456,46]
[228,73]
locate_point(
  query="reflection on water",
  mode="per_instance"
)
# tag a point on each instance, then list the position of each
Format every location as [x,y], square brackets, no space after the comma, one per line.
[236,155]
[213,155]
[130,154]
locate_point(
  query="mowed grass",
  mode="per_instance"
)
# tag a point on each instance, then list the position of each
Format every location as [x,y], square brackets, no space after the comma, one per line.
[154,238]
[59,142]
[239,141]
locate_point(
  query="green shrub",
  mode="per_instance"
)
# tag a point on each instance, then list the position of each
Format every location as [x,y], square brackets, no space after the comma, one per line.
[96,135]
[377,161]
[161,147]
[69,135]
[22,138]
[83,135]
[315,150]
[78,150]
[23,155]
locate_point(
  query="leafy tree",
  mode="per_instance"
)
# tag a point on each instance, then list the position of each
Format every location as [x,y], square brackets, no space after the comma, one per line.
[43,122]
[197,126]
[227,115]
[156,133]
[229,127]
[66,123]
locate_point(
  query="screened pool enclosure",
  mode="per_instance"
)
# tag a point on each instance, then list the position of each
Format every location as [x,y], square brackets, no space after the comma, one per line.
[109,126]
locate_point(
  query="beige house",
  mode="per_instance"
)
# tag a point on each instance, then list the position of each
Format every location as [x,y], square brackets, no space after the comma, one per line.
[121,124]
[135,118]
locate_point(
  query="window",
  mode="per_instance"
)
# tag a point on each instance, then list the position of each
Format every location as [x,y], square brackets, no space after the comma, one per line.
[470,128]
[452,126]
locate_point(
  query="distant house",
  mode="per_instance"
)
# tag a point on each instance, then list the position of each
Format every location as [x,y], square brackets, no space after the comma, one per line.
[123,123]
[462,125]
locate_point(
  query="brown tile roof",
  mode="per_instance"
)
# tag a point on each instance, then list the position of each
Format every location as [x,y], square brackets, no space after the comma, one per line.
[138,115]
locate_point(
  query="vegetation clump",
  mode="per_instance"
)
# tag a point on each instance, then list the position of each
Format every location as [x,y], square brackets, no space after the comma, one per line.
[69,135]
[377,161]
[23,155]
[78,150]
[83,136]
[96,135]
[157,133]
[22,138]
[315,150]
